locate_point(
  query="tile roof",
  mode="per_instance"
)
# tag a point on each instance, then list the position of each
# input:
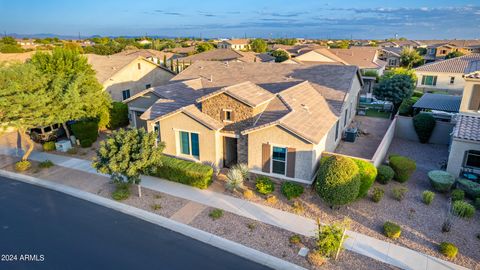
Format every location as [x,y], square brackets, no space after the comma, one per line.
[227,55]
[146,53]
[463,64]
[467,127]
[439,102]
[237,41]
[246,92]
[363,57]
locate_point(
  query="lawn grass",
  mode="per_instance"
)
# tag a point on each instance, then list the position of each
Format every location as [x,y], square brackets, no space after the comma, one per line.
[379,114]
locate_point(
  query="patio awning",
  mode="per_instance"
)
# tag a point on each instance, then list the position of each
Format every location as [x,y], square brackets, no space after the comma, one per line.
[439,102]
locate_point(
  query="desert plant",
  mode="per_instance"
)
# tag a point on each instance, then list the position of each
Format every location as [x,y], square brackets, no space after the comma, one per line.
[385,174]
[463,209]
[338,181]
[427,197]
[46,164]
[22,165]
[291,190]
[295,239]
[234,179]
[297,207]
[271,199]
[441,181]
[248,194]
[377,194]
[156,206]
[471,188]
[216,214]
[48,146]
[330,239]
[264,185]
[399,193]
[392,230]
[449,250]
[243,169]
[315,258]
[367,173]
[122,191]
[403,167]
[424,123]
[457,195]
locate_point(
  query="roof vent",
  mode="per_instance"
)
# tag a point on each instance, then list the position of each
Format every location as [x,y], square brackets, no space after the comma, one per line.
[305,107]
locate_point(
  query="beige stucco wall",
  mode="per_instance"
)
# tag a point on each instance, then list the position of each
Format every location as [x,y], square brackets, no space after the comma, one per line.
[457,155]
[443,81]
[208,139]
[130,77]
[470,97]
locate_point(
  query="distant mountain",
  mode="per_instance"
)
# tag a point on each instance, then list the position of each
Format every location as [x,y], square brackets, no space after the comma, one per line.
[50,35]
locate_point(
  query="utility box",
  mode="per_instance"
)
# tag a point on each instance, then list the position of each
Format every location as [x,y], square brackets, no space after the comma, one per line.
[63,145]
[350,134]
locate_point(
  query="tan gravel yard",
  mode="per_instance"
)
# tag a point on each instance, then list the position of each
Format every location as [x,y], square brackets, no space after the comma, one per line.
[421,224]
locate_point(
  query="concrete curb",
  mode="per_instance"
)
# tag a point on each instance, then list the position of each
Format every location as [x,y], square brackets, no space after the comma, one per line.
[205,237]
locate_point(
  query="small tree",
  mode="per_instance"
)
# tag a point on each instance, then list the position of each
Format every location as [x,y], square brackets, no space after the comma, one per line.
[424,123]
[395,89]
[400,71]
[258,45]
[410,58]
[128,153]
[280,55]
[203,47]
[454,54]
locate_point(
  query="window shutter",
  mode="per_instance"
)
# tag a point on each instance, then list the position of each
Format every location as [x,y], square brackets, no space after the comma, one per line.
[266,157]
[222,115]
[291,156]
[232,116]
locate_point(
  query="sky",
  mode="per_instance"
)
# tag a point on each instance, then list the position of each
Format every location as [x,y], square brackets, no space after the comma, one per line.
[366,19]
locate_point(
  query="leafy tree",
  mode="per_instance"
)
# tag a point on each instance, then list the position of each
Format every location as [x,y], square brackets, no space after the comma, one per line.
[410,58]
[400,71]
[422,51]
[8,40]
[24,100]
[286,41]
[344,44]
[454,54]
[258,45]
[73,46]
[395,89]
[280,55]
[9,48]
[76,91]
[126,154]
[204,46]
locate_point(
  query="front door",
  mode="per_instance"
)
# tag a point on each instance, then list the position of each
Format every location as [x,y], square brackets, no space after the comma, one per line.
[229,151]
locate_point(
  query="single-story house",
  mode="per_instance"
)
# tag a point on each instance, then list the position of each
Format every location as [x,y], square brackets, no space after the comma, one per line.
[227,55]
[447,74]
[155,56]
[277,119]
[234,44]
[391,55]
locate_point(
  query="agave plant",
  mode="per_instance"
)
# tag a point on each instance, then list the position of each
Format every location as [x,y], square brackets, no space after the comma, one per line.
[243,168]
[234,179]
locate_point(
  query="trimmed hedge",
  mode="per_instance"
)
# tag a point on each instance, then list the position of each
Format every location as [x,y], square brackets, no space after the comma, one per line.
[385,173]
[291,190]
[392,230]
[368,173]
[49,146]
[118,115]
[441,181]
[472,189]
[185,172]
[86,132]
[338,181]
[424,123]
[403,167]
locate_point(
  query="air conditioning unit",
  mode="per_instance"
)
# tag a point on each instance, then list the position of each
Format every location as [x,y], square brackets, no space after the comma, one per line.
[63,145]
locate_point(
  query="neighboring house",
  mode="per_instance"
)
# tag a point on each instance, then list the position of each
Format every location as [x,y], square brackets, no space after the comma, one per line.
[403,44]
[366,58]
[296,50]
[27,43]
[183,51]
[277,119]
[391,56]
[155,56]
[123,76]
[465,147]
[227,55]
[144,42]
[234,44]
[447,74]
[438,51]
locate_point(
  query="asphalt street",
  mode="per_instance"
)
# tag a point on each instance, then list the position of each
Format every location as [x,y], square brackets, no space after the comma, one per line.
[44,229]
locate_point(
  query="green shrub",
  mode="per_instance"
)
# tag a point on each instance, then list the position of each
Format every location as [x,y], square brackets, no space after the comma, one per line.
[399,193]
[48,146]
[385,174]
[368,173]
[406,107]
[338,181]
[329,239]
[264,185]
[427,197]
[449,250]
[392,230]
[86,132]
[72,151]
[156,206]
[377,194]
[185,172]
[441,181]
[22,165]
[472,189]
[457,195]
[295,239]
[291,190]
[46,164]
[477,203]
[122,191]
[118,115]
[216,214]
[463,209]
[403,167]
[424,123]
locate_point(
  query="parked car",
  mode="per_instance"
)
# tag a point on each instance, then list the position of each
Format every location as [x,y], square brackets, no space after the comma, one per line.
[47,133]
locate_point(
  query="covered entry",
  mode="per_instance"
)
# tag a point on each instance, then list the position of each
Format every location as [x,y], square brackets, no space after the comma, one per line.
[229,151]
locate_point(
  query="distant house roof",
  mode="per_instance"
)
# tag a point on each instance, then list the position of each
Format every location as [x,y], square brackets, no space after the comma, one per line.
[467,127]
[463,64]
[246,92]
[363,57]
[228,55]
[439,102]
[182,50]
[396,51]
[146,53]
[237,41]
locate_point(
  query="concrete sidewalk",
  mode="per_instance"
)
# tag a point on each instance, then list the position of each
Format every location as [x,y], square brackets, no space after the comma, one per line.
[371,247]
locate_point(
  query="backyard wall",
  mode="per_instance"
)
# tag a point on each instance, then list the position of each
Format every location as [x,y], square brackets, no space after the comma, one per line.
[382,149]
[405,130]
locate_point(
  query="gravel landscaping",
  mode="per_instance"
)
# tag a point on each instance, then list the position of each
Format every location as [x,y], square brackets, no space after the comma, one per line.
[421,224]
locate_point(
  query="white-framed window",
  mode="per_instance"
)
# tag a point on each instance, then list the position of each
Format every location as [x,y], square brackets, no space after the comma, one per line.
[429,80]
[452,80]
[125,94]
[189,144]
[227,115]
[472,159]
[279,160]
